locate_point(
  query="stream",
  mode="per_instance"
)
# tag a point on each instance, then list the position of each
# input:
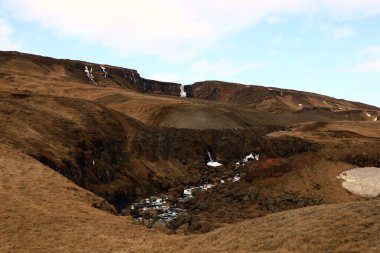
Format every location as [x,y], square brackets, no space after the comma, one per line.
[161,208]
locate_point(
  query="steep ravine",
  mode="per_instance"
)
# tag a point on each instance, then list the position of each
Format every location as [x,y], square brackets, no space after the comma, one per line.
[117,157]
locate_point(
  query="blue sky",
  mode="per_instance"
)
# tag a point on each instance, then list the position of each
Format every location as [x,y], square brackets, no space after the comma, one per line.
[328,47]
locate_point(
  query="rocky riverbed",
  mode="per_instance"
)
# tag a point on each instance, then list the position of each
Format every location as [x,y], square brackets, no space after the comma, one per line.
[167,213]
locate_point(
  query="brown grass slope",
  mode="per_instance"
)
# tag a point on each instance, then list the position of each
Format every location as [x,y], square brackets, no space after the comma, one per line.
[216,104]
[42,211]
[129,137]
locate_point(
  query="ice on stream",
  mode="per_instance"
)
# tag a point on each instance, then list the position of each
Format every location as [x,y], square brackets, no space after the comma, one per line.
[188,192]
[169,210]
[166,211]
[362,181]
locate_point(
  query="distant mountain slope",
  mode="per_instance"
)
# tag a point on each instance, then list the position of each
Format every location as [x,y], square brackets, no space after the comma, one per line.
[272,99]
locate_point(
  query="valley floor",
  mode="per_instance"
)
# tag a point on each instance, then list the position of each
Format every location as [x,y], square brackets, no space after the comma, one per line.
[42,211]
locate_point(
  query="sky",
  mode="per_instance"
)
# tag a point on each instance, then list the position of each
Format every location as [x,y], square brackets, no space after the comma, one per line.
[326,46]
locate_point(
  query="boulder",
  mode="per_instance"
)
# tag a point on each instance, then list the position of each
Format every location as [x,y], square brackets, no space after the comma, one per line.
[162,226]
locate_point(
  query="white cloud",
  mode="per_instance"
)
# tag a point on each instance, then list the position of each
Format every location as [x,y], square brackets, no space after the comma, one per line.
[6,37]
[207,70]
[273,20]
[367,66]
[222,69]
[373,50]
[167,77]
[278,39]
[341,33]
[170,29]
[365,60]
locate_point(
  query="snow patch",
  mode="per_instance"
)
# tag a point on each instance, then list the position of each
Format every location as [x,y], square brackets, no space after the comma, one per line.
[368,115]
[324,102]
[248,158]
[133,78]
[89,74]
[300,105]
[362,181]
[104,71]
[214,164]
[251,157]
[236,178]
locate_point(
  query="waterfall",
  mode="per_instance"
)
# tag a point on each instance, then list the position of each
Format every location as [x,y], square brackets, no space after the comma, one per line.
[182,94]
[209,156]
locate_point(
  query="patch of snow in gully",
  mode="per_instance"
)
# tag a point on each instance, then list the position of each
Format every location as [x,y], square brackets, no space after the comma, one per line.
[236,178]
[89,74]
[362,181]
[104,71]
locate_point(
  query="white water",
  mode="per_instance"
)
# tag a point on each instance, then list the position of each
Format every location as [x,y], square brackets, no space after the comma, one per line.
[211,161]
[182,93]
[209,156]
[188,192]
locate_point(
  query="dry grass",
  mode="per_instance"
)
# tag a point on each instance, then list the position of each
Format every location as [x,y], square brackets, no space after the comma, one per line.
[42,211]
